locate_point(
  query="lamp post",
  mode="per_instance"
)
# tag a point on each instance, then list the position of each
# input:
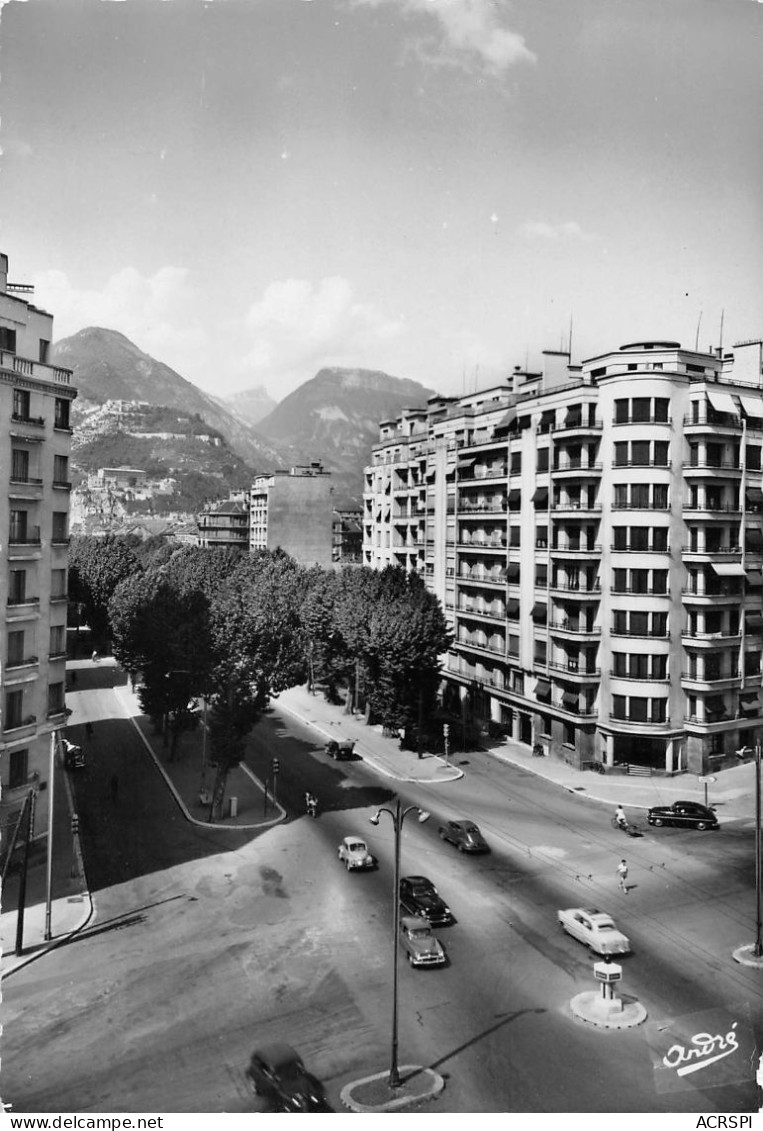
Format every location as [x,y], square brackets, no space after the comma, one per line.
[757,949]
[398,815]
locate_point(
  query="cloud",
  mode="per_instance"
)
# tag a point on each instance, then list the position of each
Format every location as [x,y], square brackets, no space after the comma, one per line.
[155,312]
[297,326]
[467,30]
[541,230]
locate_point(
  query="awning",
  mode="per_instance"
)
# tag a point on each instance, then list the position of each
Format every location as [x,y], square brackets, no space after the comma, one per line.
[512,572]
[570,700]
[512,606]
[431,473]
[465,464]
[540,499]
[542,688]
[753,621]
[754,577]
[506,421]
[515,497]
[723,402]
[748,697]
[754,493]
[540,611]
[751,406]
[729,569]
[753,536]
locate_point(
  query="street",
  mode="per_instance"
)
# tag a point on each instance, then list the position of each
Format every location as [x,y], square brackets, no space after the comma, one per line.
[207,942]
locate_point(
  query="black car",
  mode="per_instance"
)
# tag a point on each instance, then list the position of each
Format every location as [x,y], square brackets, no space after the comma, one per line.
[277,1072]
[465,835]
[687,814]
[419,896]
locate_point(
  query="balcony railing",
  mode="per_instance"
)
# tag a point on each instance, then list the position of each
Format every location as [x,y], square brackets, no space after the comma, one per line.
[650,590]
[14,601]
[642,420]
[23,662]
[26,480]
[62,484]
[577,422]
[574,627]
[21,418]
[25,537]
[629,548]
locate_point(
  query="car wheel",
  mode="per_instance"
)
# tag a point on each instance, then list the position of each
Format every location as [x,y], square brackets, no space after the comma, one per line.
[347,865]
[702,825]
[657,821]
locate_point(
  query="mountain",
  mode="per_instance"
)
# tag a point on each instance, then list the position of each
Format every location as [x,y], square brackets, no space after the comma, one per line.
[108,366]
[335,416]
[250,405]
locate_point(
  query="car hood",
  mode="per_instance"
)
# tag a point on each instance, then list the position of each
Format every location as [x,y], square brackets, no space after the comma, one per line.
[425,946]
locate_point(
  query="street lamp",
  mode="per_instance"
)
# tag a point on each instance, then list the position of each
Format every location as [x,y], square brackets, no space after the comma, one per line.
[398,815]
[757,949]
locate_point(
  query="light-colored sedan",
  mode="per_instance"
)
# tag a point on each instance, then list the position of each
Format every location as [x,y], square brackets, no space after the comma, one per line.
[354,854]
[419,944]
[595,929]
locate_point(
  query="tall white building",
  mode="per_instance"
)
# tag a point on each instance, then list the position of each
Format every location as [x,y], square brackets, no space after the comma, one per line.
[35,398]
[595,534]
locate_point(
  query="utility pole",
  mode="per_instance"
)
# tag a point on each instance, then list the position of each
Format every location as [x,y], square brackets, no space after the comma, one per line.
[29,805]
[49,861]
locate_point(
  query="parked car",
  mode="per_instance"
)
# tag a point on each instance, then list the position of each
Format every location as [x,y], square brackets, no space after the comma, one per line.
[688,814]
[419,897]
[354,854]
[419,944]
[341,751]
[277,1072]
[74,756]
[465,835]
[595,929]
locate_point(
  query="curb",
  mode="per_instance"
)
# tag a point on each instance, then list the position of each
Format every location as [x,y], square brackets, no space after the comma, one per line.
[179,800]
[589,1007]
[435,1085]
[369,758]
[746,957]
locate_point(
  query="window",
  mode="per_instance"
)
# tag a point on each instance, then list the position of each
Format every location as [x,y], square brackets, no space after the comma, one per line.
[659,667]
[660,496]
[659,581]
[21,403]
[542,459]
[18,768]
[60,524]
[541,576]
[621,412]
[7,339]
[569,732]
[44,348]
[660,539]
[640,495]
[513,645]
[619,707]
[639,538]
[19,465]
[659,710]
[18,532]
[540,651]
[55,698]
[15,648]
[639,581]
[639,666]
[661,406]
[620,580]
[541,537]
[61,413]
[516,462]
[640,409]
[640,453]
[518,682]
[620,535]
[619,663]
[14,708]
[57,639]
[659,624]
[661,449]
[58,583]
[620,622]
[639,624]
[60,469]
[621,454]
[17,587]
[621,495]
[752,458]
[514,535]
[638,709]
[751,663]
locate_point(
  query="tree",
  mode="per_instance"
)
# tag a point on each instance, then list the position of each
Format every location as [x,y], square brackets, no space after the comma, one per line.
[258,650]
[96,567]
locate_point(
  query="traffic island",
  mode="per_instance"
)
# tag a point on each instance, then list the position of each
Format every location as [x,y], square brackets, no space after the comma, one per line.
[374,1094]
[607,1013]
[747,956]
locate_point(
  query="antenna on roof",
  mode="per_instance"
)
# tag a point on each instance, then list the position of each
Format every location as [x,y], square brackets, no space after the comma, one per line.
[696,339]
[569,343]
[720,345]
[476,377]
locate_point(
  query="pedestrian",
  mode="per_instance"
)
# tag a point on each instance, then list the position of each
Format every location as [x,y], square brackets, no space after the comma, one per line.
[622,873]
[95,657]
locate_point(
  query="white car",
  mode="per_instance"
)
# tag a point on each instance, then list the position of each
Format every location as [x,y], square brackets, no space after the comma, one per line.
[354,854]
[419,944]
[595,929]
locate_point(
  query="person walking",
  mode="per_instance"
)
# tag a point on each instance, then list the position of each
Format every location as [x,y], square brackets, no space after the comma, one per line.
[622,874]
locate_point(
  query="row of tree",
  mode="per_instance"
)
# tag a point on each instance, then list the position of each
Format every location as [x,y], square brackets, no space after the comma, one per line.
[236,629]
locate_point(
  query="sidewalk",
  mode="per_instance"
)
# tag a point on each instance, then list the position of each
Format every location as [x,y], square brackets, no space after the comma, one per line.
[733,792]
[71,905]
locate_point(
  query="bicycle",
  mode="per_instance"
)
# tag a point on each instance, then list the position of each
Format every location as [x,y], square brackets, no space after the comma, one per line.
[629,827]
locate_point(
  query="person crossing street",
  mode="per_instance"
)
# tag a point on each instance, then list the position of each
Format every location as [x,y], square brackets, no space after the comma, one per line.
[622,874]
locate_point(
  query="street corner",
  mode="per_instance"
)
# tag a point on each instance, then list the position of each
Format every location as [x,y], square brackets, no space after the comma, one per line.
[374,1093]
[746,956]
[603,1013]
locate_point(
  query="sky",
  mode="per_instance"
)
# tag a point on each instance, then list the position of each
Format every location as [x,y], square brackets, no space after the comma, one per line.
[440,189]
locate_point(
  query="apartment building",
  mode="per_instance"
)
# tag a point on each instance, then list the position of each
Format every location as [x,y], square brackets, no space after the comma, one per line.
[225,524]
[294,510]
[35,399]
[595,534]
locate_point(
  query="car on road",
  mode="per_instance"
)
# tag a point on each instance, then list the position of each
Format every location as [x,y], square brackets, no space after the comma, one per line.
[419,897]
[686,814]
[464,835]
[353,853]
[342,750]
[595,929]
[276,1071]
[419,944]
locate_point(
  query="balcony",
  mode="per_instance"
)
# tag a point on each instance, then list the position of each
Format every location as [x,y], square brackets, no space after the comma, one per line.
[19,724]
[576,589]
[577,424]
[573,628]
[25,481]
[16,602]
[465,510]
[712,422]
[484,579]
[699,467]
[651,419]
[493,547]
[62,485]
[651,721]
[712,509]
[577,551]
[20,418]
[483,614]
[619,590]
[17,664]
[572,670]
[576,508]
[58,598]
[575,468]
[629,548]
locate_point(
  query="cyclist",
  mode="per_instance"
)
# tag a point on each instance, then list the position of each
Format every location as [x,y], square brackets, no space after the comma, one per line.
[311,804]
[620,817]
